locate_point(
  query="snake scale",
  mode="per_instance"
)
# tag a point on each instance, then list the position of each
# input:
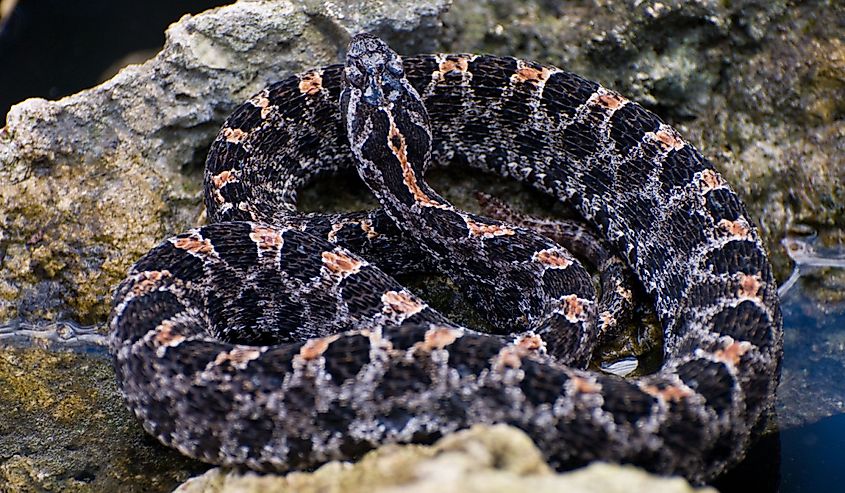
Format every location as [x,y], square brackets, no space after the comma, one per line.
[279,340]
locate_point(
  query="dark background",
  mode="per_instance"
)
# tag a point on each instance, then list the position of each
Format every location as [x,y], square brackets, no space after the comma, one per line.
[53,48]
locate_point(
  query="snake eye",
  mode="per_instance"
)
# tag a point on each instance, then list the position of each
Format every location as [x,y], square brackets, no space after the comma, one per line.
[354,76]
[394,67]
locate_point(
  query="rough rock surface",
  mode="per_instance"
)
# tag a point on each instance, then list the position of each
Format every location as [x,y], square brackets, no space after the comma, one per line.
[482,459]
[90,182]
[63,427]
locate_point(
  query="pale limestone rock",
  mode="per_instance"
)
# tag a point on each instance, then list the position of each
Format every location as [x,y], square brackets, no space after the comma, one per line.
[483,459]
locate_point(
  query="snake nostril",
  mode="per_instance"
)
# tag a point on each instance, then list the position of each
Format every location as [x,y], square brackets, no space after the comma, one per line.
[373,95]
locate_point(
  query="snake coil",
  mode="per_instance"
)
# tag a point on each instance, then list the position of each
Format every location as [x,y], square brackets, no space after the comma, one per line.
[279,341]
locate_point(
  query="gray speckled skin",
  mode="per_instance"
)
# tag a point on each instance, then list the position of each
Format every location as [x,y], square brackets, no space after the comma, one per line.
[616,305]
[278,348]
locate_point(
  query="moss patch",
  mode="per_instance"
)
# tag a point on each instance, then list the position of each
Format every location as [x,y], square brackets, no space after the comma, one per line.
[63,427]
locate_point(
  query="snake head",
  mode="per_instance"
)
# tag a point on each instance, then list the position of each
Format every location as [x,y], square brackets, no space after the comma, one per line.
[386,121]
[374,69]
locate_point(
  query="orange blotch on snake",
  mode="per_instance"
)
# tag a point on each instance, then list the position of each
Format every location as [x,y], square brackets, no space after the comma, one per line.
[526,73]
[367,227]
[266,238]
[669,393]
[224,177]
[238,357]
[584,386]
[194,244]
[530,342]
[749,286]
[573,308]
[510,357]
[607,319]
[234,135]
[711,180]
[607,99]
[484,230]
[261,101]
[400,302]
[737,229]
[458,64]
[165,335]
[341,263]
[150,280]
[314,348]
[732,353]
[439,337]
[667,138]
[396,142]
[310,83]
[553,257]
[624,292]
[451,64]
[219,181]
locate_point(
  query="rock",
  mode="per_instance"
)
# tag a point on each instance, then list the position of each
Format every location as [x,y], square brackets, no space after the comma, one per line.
[482,459]
[92,181]
[64,427]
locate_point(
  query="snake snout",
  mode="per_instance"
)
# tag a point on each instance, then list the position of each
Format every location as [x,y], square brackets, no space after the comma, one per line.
[373,94]
[373,68]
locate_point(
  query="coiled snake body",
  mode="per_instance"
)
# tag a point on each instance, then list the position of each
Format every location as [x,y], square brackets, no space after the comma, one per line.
[271,339]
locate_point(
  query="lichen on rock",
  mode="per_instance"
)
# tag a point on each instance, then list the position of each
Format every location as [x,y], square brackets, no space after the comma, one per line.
[487,459]
[63,427]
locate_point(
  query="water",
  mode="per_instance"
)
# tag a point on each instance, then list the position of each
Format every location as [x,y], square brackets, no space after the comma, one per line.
[808,454]
[813,457]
